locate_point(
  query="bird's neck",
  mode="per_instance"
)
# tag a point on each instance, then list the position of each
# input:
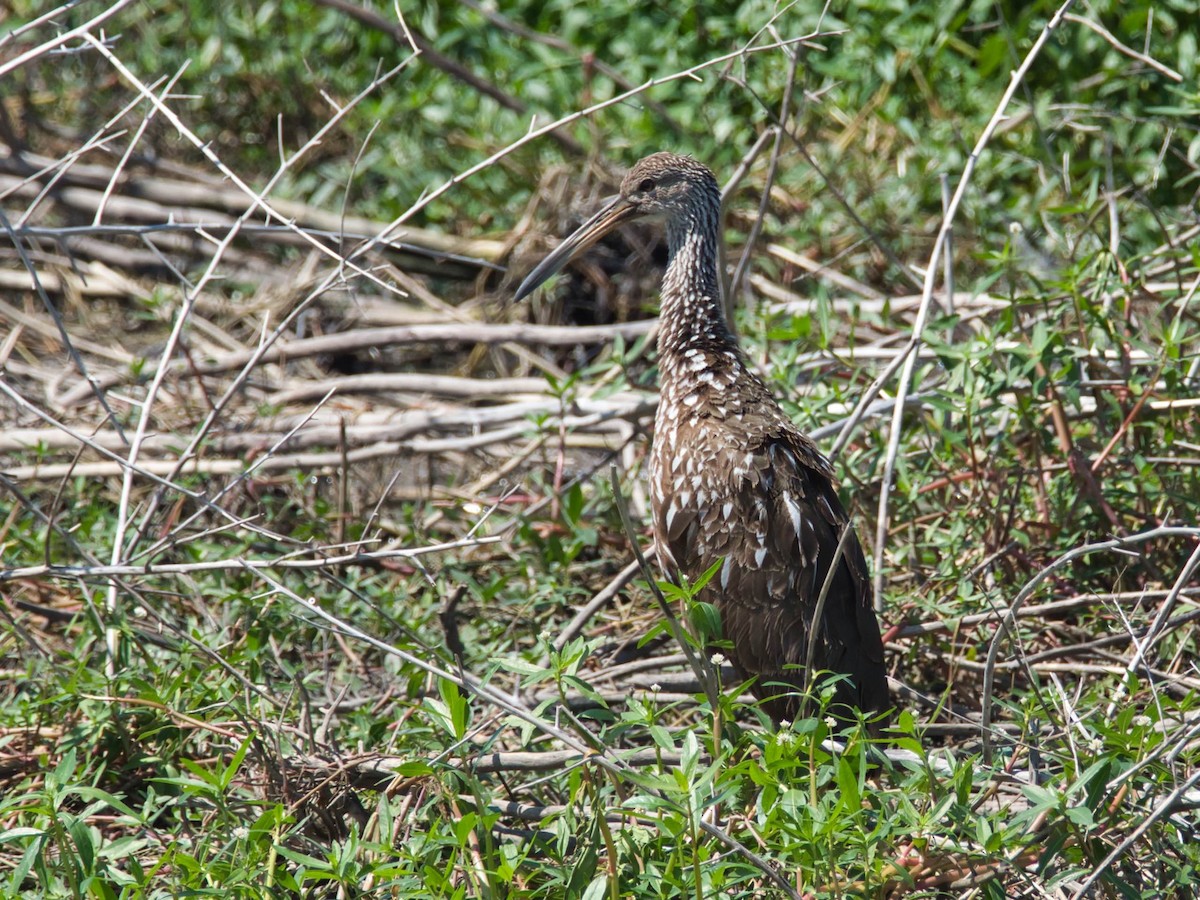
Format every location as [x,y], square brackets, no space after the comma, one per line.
[692,315]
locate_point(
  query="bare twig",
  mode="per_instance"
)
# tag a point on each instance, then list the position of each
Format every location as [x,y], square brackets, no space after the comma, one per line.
[939,245]
[1157,627]
[602,598]
[64,37]
[1009,621]
[1164,807]
[1124,48]
[404,34]
[290,561]
[367,338]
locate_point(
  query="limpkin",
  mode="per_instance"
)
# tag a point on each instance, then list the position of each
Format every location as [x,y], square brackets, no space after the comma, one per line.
[732,477]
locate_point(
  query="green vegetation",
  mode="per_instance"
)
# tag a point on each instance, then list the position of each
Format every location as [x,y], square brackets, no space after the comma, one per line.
[333,653]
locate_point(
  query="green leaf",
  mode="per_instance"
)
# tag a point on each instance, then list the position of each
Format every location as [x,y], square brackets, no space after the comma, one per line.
[522,666]
[231,770]
[597,888]
[1082,816]
[848,787]
[705,620]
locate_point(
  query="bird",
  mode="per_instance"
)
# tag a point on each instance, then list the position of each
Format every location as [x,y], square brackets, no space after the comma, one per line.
[733,479]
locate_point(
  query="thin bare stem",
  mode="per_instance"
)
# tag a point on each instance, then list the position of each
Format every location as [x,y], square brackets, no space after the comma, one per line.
[939,244]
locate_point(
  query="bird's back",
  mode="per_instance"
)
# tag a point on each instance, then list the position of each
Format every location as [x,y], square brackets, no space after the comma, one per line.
[733,479]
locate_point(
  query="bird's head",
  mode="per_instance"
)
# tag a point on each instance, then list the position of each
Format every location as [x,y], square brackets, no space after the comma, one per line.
[661,186]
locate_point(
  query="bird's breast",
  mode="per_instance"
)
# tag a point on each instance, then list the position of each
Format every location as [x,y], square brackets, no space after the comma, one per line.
[694,465]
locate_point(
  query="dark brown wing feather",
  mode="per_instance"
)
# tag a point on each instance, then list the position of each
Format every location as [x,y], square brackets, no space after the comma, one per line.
[768,507]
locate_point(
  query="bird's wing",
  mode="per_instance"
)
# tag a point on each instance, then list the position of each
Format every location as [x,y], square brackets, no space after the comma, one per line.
[777,523]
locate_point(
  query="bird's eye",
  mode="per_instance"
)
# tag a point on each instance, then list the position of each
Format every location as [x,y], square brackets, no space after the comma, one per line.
[646,186]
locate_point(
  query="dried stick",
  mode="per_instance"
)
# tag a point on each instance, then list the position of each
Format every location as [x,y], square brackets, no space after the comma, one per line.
[399,382]
[1164,807]
[602,597]
[821,270]
[1141,648]
[731,283]
[64,336]
[405,35]
[274,351]
[194,206]
[1045,609]
[1123,48]
[64,37]
[289,561]
[931,269]
[1008,622]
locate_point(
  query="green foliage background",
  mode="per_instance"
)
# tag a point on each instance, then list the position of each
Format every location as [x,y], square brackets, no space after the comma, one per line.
[191,771]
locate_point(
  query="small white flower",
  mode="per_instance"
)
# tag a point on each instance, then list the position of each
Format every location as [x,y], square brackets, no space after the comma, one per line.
[656,687]
[1142,721]
[784,738]
[1096,745]
[831,722]
[545,635]
[240,832]
[785,724]
[719,659]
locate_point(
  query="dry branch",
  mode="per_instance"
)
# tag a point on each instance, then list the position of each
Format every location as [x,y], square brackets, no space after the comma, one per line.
[373,338]
[202,203]
[406,35]
[294,561]
[331,427]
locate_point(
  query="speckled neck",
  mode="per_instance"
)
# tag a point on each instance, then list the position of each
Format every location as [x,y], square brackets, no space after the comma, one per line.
[692,316]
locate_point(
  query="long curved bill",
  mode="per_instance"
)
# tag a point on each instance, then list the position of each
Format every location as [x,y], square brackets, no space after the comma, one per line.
[614,213]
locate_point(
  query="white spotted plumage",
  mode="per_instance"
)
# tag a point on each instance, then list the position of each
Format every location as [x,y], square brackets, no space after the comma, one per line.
[732,478]
[755,476]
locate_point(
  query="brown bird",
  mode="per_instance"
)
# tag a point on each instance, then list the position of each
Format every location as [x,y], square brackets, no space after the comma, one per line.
[732,478]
